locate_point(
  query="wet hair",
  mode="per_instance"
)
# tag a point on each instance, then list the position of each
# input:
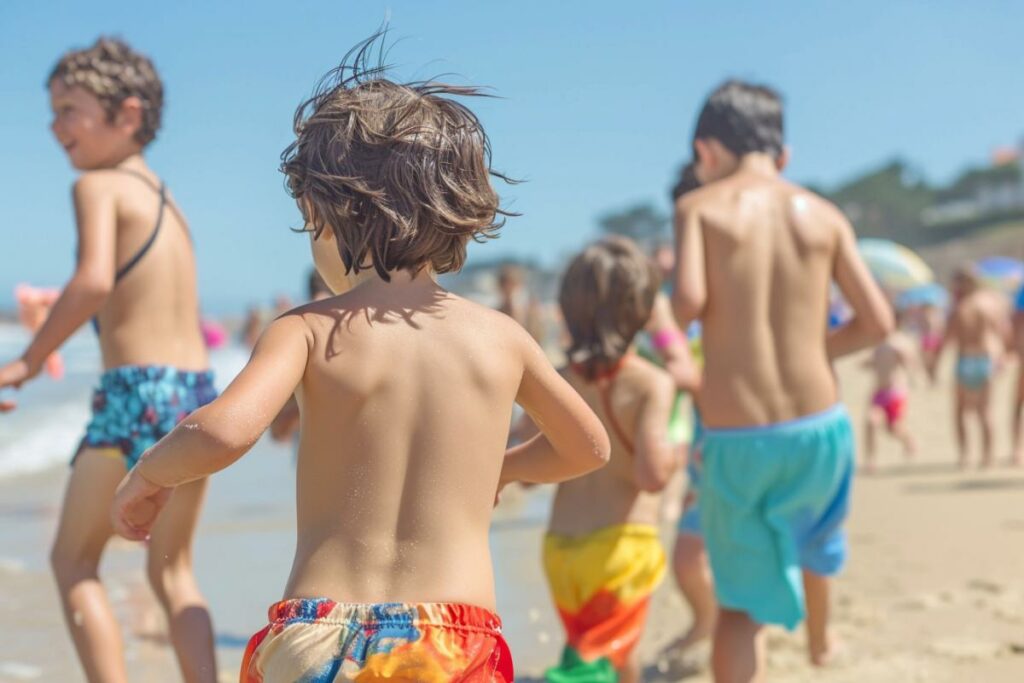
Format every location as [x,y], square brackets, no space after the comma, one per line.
[744,117]
[606,296]
[316,286]
[399,172]
[687,181]
[112,71]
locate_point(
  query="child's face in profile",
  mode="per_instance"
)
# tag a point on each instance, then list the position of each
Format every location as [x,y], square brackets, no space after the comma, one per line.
[83,128]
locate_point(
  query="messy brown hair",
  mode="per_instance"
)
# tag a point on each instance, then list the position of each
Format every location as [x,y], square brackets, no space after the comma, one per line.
[606,297]
[399,172]
[112,72]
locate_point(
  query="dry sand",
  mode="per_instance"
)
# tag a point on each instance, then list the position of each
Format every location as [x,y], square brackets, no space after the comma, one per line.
[934,590]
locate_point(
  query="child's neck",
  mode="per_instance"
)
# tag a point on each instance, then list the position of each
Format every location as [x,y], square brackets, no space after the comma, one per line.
[369,279]
[759,163]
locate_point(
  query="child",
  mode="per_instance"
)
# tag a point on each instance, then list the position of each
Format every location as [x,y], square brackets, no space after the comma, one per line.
[1017,436]
[135,277]
[689,556]
[892,361]
[405,393]
[602,554]
[756,256]
[979,328]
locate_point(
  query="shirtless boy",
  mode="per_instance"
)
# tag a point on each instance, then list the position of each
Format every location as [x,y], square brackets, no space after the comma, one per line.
[756,256]
[405,394]
[979,329]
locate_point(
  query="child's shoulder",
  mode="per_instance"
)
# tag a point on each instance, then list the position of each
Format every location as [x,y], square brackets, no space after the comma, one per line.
[99,182]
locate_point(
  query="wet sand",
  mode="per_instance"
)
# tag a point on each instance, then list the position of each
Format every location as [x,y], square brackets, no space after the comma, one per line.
[934,590]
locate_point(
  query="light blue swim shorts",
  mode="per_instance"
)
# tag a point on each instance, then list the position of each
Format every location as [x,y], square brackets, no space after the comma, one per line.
[772,503]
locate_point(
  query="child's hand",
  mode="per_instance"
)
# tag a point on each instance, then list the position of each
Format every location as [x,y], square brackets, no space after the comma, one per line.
[137,504]
[14,374]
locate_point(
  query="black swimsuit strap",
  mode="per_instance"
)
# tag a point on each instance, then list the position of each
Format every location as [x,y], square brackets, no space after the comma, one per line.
[134,260]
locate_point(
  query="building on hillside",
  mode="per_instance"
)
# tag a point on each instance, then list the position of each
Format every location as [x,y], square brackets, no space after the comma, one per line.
[979,194]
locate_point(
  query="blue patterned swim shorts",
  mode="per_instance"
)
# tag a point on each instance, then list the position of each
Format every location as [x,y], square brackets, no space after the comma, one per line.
[136,406]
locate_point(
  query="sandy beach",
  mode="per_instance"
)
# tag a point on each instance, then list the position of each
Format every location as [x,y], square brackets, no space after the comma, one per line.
[934,590]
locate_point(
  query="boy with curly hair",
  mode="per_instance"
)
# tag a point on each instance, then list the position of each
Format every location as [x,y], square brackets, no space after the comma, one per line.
[135,276]
[405,394]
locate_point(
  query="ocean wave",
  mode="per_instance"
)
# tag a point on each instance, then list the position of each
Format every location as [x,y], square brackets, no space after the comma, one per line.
[42,439]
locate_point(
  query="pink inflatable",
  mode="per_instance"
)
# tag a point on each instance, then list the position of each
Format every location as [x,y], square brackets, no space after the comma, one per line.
[34,304]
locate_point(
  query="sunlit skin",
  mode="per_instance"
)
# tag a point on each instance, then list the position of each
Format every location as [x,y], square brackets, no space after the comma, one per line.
[405,393]
[756,256]
[150,318]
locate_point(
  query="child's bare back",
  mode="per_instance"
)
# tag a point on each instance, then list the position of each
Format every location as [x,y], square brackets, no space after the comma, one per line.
[769,249]
[892,360]
[624,491]
[405,403]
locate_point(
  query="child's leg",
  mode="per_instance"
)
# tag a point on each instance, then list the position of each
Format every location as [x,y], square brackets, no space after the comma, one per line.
[875,418]
[738,652]
[170,574]
[82,533]
[961,426]
[1018,418]
[816,592]
[693,575]
[900,431]
[630,671]
[985,418]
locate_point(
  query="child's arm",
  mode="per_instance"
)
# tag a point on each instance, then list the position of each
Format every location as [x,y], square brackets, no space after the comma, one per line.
[572,441]
[218,434]
[690,294]
[655,458]
[672,345]
[872,316]
[89,286]
[287,421]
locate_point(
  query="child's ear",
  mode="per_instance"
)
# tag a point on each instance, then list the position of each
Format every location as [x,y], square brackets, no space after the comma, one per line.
[129,115]
[782,160]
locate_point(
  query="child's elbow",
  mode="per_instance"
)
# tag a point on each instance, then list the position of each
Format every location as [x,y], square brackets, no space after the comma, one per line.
[601,452]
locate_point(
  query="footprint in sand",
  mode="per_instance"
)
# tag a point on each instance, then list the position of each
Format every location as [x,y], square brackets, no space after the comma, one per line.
[968,649]
[986,586]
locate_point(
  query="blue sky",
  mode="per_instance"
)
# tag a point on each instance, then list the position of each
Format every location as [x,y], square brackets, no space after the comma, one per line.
[598,101]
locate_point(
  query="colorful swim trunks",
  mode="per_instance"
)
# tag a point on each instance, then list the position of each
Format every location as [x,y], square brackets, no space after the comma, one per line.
[602,584]
[772,501]
[319,640]
[136,406]
[893,403]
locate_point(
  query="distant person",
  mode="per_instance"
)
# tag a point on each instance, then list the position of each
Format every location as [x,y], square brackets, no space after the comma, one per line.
[602,553]
[252,326]
[518,303]
[892,363]
[1018,406]
[135,277]
[406,393]
[978,328]
[931,321]
[756,257]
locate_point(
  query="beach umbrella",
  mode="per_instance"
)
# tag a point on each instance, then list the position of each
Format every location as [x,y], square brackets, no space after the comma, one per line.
[894,266]
[931,294]
[1001,272]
